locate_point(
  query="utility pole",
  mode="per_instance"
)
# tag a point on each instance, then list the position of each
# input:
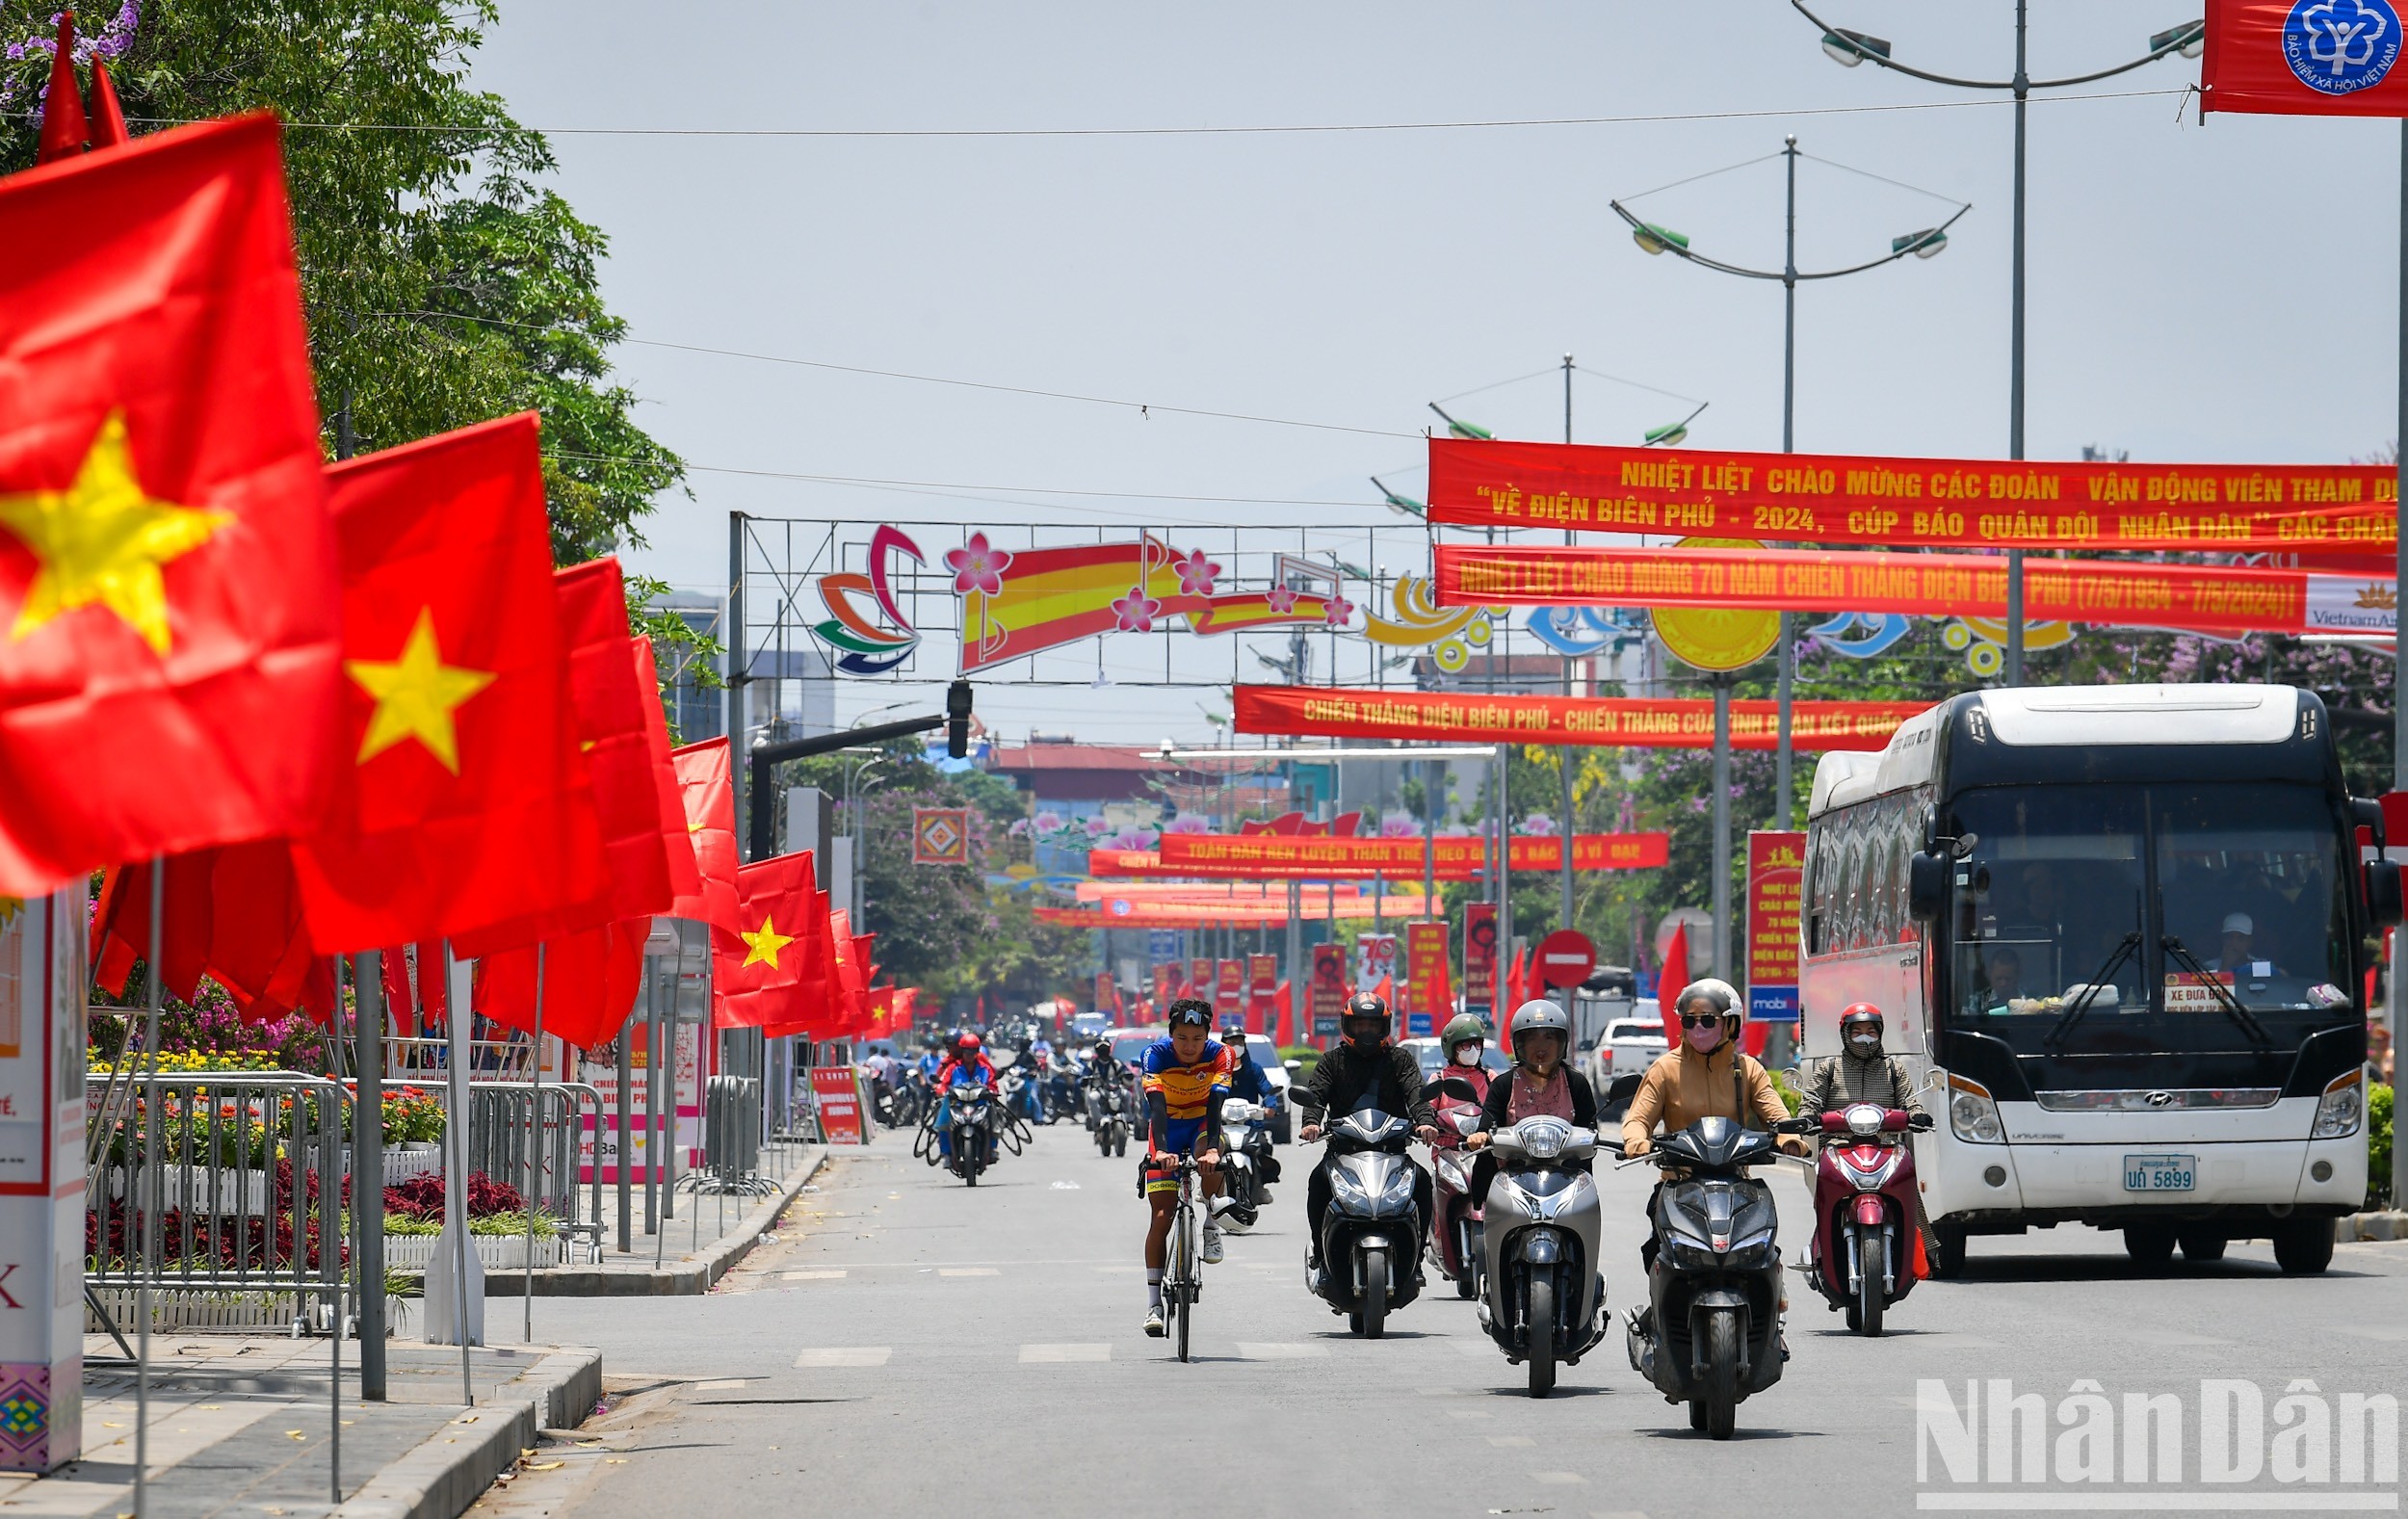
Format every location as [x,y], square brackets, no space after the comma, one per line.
[1564,756]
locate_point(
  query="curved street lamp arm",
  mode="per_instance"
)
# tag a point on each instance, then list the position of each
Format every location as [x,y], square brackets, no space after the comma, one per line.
[1908,70]
[1891,258]
[1624,212]
[2172,46]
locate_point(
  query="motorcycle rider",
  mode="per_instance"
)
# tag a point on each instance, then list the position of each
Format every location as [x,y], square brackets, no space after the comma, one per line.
[1246,1081]
[968,1062]
[1366,1065]
[1860,1073]
[1705,1076]
[1184,1085]
[1465,1039]
[1540,1083]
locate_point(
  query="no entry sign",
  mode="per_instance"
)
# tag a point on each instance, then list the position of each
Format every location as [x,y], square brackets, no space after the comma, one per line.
[1566,958]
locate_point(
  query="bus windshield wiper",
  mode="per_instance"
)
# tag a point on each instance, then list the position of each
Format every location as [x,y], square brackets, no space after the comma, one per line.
[2224,997]
[2103,975]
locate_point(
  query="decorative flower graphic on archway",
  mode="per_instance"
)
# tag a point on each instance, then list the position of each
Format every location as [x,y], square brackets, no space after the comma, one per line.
[977,565]
[1195,573]
[1136,611]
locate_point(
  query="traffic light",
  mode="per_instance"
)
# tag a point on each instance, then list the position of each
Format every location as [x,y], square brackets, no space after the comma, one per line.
[957,720]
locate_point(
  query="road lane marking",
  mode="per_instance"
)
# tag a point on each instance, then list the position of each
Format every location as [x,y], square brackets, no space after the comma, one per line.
[1280,1351]
[1050,1354]
[1561,1478]
[814,1276]
[845,1356]
[723,1384]
[967,1271]
[1511,1440]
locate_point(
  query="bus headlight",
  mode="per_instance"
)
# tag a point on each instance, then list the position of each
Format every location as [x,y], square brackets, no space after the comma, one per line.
[1971,1114]
[2341,1109]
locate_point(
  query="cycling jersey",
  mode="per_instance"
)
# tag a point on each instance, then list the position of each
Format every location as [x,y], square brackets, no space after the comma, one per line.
[1183,1095]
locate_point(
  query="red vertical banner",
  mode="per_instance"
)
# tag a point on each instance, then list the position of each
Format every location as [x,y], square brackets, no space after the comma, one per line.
[1326,999]
[1776,866]
[1200,974]
[1229,987]
[1107,992]
[1261,984]
[839,1096]
[1432,999]
[1480,960]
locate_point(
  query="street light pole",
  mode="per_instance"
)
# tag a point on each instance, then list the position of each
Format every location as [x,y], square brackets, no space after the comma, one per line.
[1851,48]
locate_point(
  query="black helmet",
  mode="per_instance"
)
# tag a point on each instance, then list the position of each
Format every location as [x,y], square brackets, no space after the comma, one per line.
[1362,1011]
[1189,1012]
[1234,1025]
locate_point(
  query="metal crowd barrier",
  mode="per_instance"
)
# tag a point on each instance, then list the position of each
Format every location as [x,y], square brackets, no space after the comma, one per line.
[503,1117]
[731,1138]
[220,1182]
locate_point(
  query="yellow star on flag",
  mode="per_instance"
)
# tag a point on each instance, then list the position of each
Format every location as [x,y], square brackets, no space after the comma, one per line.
[104,539]
[766,944]
[416,696]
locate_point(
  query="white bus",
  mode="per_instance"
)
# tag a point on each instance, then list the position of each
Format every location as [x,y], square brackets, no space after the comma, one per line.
[2121,934]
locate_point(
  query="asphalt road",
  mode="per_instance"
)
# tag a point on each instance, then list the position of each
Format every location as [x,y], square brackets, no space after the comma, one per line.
[910,1345]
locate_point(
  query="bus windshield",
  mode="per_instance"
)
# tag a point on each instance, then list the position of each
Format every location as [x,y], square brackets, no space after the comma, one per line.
[2206,910]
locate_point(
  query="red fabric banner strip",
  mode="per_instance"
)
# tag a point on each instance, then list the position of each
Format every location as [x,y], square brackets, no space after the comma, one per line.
[1275,855]
[1916,503]
[2212,598]
[2280,58]
[1608,722]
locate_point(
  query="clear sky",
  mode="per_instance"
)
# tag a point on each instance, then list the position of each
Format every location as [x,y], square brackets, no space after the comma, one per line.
[2219,292]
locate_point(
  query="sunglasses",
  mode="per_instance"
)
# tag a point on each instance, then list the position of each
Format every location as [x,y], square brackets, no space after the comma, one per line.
[1699,1020]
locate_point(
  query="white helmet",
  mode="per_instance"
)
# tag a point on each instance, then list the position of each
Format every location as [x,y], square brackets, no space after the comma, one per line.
[1539,1016]
[1719,995]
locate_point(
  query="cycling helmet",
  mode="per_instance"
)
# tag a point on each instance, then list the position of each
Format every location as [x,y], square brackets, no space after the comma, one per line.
[1540,1016]
[1366,1018]
[1189,1013]
[1462,1029]
[1860,1029]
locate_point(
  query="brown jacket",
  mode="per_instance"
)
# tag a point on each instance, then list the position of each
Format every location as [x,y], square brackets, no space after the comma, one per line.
[1684,1086]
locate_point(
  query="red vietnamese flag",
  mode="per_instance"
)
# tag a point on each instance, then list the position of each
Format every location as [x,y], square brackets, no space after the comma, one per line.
[760,969]
[107,124]
[591,979]
[685,877]
[710,805]
[459,801]
[64,129]
[811,1011]
[615,764]
[169,607]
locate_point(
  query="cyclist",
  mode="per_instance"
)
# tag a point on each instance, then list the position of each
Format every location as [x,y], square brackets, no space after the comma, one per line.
[1184,1084]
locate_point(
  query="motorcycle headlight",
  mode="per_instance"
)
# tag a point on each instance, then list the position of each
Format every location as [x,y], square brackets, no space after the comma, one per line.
[1541,1142]
[1347,1190]
[1863,1118]
[1399,1189]
[2342,1107]
[1972,1114]
[1456,1170]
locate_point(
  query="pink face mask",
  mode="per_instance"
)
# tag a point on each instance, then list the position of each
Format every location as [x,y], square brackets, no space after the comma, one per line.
[1705,1037]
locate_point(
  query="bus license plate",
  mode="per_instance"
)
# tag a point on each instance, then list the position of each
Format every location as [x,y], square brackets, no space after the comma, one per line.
[2161,1173]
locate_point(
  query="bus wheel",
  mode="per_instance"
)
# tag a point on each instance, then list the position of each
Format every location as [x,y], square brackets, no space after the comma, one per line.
[2149,1245]
[2201,1246]
[2303,1246]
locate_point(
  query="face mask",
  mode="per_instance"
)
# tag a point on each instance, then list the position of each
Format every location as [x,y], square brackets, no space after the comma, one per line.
[1468,1054]
[1865,1043]
[1705,1037]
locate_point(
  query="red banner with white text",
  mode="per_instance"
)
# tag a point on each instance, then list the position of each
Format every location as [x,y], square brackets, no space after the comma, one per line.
[2211,598]
[1607,722]
[1275,856]
[1917,503]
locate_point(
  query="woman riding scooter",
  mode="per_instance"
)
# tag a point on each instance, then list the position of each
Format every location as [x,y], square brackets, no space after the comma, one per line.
[1540,1082]
[1455,1227]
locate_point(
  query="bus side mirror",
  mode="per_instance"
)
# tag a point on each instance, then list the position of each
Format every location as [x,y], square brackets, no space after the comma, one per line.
[1927,884]
[2383,903]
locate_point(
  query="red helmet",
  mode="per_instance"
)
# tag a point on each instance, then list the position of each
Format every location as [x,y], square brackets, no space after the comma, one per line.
[967,1044]
[1859,1019]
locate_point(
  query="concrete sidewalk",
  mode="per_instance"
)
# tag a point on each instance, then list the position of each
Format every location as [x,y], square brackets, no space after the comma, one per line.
[710,1234]
[244,1425]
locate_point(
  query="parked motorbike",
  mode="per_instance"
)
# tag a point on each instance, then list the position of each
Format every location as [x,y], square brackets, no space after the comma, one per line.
[973,1120]
[1544,1297]
[1710,1331]
[1454,1230]
[1862,1255]
[1371,1236]
[1247,1166]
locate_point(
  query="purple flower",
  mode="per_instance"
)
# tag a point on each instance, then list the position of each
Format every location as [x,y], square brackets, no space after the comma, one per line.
[1188,822]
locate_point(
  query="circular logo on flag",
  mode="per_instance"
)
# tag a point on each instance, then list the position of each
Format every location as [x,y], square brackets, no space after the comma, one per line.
[2339,48]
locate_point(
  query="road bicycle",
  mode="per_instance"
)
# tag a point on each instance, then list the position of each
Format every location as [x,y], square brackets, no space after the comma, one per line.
[1183,1258]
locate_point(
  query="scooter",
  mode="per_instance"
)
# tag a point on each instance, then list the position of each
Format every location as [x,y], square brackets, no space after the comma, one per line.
[1455,1229]
[1545,1298]
[1023,1095]
[1710,1331]
[1247,1166]
[1370,1234]
[971,1117]
[1861,1257]
[1109,1118]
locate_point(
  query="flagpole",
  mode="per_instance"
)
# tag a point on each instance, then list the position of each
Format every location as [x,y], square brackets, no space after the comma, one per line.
[534,1156]
[456,1159]
[150,1182]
